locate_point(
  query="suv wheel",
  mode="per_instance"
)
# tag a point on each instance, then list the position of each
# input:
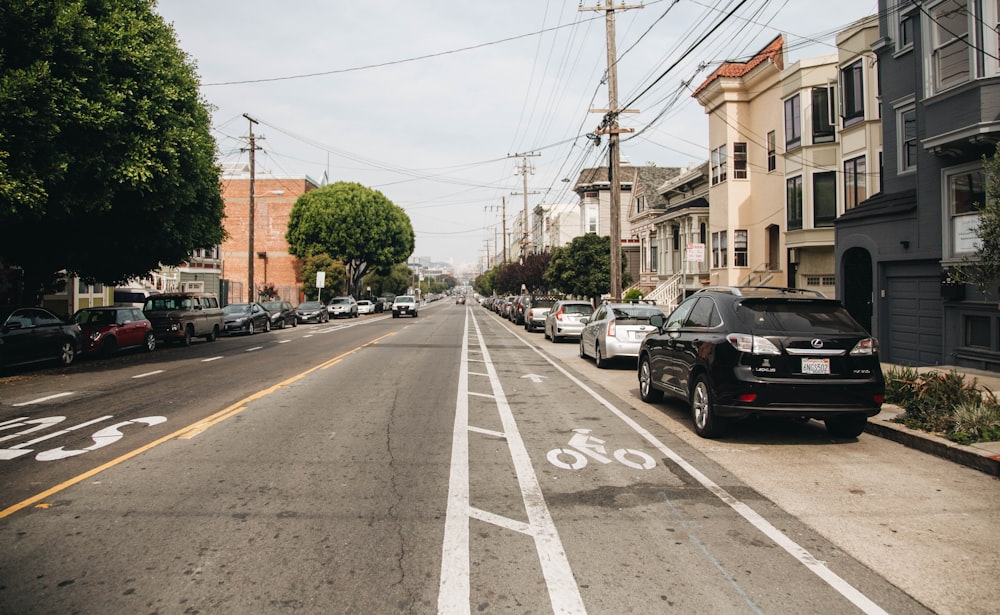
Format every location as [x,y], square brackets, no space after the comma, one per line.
[706,423]
[67,352]
[599,359]
[846,425]
[646,390]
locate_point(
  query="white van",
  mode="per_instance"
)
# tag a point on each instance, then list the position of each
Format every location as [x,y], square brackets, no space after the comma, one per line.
[133,297]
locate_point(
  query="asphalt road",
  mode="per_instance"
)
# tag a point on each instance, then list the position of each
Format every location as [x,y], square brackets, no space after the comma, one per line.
[448,463]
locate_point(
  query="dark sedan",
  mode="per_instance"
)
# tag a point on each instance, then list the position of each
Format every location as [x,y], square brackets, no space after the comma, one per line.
[32,335]
[246,318]
[312,311]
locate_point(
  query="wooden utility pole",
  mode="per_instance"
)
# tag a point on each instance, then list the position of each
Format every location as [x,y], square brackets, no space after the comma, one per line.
[250,253]
[503,219]
[525,169]
[610,127]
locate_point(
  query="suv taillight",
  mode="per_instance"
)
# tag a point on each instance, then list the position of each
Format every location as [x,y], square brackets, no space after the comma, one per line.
[865,347]
[753,344]
[611,329]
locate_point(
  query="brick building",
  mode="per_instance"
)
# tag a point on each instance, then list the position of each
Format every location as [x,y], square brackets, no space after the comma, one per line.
[273,201]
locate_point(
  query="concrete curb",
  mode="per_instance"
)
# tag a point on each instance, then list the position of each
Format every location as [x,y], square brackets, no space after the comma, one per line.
[884,427]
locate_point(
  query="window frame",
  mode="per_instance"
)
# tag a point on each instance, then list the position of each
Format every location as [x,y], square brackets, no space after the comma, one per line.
[957,227]
[855,177]
[741,167]
[904,145]
[852,93]
[827,219]
[720,251]
[741,247]
[793,122]
[718,164]
[791,223]
[821,117]
[772,151]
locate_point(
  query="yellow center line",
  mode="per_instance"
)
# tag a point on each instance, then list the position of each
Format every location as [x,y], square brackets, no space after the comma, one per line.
[184,433]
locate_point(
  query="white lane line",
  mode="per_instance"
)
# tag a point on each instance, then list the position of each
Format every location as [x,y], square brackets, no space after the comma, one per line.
[753,517]
[137,376]
[253,348]
[210,359]
[43,399]
[500,521]
[487,432]
[284,341]
[453,591]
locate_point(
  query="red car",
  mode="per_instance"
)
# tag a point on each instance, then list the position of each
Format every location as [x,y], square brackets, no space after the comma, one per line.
[107,330]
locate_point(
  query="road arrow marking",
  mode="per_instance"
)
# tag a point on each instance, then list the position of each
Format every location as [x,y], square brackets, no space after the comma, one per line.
[534,378]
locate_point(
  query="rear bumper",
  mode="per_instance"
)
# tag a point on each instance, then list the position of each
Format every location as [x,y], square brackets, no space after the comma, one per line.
[797,397]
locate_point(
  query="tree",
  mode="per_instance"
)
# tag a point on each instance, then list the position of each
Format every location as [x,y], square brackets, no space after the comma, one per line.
[336,277]
[395,281]
[107,165]
[583,267]
[356,224]
[533,272]
[982,268]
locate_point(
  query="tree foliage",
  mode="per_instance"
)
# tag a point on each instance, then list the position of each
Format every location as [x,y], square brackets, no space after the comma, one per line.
[358,225]
[982,268]
[336,277]
[395,282]
[107,165]
[583,267]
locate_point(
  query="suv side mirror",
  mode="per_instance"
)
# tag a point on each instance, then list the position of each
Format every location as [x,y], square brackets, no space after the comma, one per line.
[657,321]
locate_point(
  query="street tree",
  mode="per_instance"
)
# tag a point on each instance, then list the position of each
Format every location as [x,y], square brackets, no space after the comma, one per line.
[107,165]
[358,225]
[533,272]
[982,268]
[395,281]
[335,278]
[583,267]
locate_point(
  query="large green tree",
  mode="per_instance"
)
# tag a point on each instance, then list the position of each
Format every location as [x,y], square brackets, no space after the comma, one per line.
[107,165]
[583,267]
[395,281]
[335,279]
[351,222]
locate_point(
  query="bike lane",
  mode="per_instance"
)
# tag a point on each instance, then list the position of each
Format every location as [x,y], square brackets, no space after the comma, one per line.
[645,523]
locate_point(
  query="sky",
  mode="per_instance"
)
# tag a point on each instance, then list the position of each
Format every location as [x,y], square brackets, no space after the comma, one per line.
[431,103]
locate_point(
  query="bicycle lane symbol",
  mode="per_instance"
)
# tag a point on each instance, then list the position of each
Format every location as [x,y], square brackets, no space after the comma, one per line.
[583,445]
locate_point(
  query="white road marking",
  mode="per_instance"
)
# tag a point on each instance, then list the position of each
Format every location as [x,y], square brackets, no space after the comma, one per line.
[284,341]
[253,348]
[159,371]
[210,359]
[43,399]
[797,551]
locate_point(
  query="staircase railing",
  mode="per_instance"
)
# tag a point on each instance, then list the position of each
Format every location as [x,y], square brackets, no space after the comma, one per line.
[668,291]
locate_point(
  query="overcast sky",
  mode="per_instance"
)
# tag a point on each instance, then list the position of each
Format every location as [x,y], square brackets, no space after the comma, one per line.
[427,101]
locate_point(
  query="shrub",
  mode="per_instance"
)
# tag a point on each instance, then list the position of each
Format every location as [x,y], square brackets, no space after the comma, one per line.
[931,403]
[977,421]
[633,294]
[900,385]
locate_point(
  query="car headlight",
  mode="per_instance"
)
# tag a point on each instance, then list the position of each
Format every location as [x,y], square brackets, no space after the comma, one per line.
[96,335]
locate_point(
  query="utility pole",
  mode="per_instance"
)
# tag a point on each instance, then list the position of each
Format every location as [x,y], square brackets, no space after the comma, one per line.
[503,218]
[250,253]
[525,169]
[610,127]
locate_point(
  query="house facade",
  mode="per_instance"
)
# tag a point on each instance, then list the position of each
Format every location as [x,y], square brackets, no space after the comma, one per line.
[940,100]
[273,264]
[746,176]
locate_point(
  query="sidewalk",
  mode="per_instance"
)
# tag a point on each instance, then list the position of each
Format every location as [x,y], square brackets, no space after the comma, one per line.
[983,456]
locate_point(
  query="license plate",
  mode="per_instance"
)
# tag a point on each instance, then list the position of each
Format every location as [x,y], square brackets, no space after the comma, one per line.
[815,366]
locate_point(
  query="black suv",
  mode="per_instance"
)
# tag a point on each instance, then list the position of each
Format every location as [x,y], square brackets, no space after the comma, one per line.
[735,352]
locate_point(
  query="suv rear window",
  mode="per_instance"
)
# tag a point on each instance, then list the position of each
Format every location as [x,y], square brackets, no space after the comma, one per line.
[804,316]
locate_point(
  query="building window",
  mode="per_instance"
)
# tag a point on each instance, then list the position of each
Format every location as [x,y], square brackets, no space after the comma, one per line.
[829,280]
[824,199]
[719,165]
[719,250]
[740,255]
[591,220]
[793,202]
[739,160]
[703,233]
[964,194]
[853,89]
[977,331]
[906,128]
[653,255]
[793,123]
[855,182]
[822,125]
[951,48]
[772,158]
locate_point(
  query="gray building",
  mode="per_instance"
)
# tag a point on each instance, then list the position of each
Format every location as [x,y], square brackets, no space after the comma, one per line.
[940,106]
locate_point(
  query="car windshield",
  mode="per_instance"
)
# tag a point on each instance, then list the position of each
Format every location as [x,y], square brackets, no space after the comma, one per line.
[310,305]
[340,300]
[273,306]
[634,312]
[237,308]
[580,308]
[404,299]
[94,317]
[798,316]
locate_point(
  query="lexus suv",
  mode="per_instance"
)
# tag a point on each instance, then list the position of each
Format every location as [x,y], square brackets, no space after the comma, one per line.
[736,352]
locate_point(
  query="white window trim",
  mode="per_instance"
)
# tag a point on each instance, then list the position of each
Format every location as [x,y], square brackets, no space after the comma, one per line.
[980,35]
[947,219]
[895,9]
[900,108]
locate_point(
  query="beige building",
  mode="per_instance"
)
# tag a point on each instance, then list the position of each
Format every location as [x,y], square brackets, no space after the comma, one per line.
[746,174]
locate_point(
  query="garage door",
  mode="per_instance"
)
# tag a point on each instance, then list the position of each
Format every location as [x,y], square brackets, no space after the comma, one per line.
[915,321]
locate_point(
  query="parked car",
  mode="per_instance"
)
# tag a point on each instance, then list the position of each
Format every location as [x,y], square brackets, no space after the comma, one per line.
[183,316]
[565,319]
[379,304]
[404,305]
[343,306]
[33,334]
[616,330]
[246,318]
[735,352]
[517,309]
[366,307]
[107,330]
[535,312]
[133,297]
[312,311]
[282,313]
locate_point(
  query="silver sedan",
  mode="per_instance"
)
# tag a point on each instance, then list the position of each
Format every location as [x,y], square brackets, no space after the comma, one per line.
[616,330]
